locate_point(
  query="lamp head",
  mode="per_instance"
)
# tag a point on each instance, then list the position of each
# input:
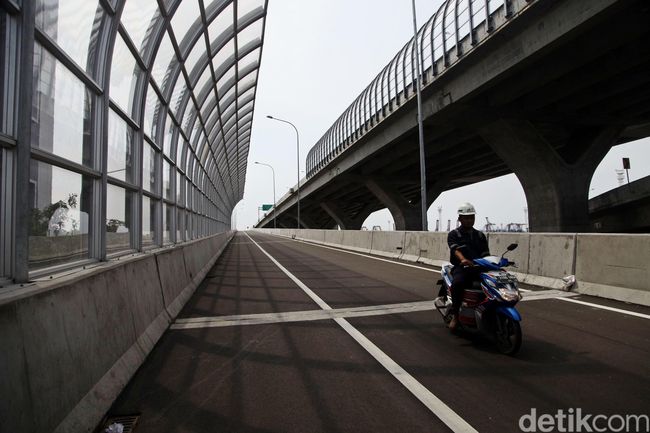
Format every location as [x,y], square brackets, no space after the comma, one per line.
[269,117]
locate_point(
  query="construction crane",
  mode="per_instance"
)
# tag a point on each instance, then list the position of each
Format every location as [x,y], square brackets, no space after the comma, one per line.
[489,227]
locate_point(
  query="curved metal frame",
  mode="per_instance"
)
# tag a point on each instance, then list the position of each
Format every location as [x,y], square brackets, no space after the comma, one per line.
[198,136]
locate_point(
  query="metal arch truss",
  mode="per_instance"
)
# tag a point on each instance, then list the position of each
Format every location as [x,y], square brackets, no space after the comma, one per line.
[211,119]
[183,89]
[456,27]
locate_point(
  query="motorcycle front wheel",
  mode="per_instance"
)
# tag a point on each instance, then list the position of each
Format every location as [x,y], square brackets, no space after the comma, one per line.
[508,335]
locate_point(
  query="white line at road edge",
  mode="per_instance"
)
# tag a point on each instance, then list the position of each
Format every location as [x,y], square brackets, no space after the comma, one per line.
[433,403]
[363,255]
[604,307]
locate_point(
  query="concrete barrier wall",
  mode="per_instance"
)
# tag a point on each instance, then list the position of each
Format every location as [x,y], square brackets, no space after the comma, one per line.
[433,248]
[552,255]
[71,344]
[411,250]
[389,244]
[334,237]
[498,243]
[616,266]
[357,240]
[610,266]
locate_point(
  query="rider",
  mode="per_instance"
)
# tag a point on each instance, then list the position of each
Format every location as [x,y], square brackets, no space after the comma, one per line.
[465,244]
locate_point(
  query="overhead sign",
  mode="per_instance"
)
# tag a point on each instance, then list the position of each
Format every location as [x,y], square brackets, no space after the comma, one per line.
[266,207]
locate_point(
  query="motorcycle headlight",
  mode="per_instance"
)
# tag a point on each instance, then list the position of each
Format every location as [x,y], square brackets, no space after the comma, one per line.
[509,295]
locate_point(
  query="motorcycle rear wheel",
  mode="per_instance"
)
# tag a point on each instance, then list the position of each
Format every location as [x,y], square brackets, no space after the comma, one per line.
[508,335]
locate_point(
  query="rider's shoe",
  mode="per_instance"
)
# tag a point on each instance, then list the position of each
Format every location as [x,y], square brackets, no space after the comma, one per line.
[453,323]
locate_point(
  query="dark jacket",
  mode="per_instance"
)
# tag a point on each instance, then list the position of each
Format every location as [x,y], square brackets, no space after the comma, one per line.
[473,244]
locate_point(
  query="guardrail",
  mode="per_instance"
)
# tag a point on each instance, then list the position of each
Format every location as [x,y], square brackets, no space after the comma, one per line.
[450,34]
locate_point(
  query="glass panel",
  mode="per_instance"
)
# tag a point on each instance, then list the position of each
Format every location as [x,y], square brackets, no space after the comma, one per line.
[227,99]
[138,18]
[250,60]
[222,25]
[186,14]
[167,223]
[248,81]
[124,76]
[244,7]
[194,56]
[169,134]
[149,168]
[118,219]
[177,95]
[148,221]
[250,34]
[188,196]
[6,89]
[224,84]
[224,58]
[167,186]
[195,132]
[61,202]
[165,55]
[151,110]
[246,106]
[179,189]
[61,110]
[208,109]
[120,164]
[189,111]
[179,225]
[74,25]
[180,146]
[205,77]
[247,93]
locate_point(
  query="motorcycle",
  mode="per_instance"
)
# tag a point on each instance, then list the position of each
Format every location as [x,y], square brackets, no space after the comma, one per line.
[489,307]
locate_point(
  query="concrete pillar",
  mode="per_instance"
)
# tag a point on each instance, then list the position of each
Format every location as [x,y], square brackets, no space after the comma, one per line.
[556,186]
[344,220]
[305,221]
[407,216]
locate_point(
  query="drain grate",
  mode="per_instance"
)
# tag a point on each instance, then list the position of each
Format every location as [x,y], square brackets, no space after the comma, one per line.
[128,421]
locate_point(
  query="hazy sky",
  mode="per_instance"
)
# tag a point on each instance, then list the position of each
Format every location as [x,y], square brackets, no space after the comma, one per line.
[318,56]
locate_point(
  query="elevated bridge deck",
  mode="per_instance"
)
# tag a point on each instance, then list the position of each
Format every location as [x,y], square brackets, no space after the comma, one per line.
[544,95]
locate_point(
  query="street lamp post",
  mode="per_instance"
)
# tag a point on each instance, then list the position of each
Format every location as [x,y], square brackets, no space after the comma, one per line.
[273,171]
[297,158]
[423,168]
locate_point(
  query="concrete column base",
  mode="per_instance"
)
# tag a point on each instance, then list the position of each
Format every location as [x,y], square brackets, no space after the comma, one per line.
[556,184]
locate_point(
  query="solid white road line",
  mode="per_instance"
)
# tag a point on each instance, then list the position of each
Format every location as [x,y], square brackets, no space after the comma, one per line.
[300,316]
[604,307]
[433,403]
[364,255]
[310,315]
[547,294]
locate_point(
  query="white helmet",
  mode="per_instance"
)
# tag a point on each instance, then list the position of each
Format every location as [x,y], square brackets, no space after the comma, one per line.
[466,209]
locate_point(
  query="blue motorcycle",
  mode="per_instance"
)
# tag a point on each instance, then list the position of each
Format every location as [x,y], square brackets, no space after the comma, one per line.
[489,307]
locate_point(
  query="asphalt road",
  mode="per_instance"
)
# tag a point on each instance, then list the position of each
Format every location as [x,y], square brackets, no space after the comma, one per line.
[341,342]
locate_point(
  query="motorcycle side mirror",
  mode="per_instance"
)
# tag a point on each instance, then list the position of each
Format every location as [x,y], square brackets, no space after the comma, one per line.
[512,247]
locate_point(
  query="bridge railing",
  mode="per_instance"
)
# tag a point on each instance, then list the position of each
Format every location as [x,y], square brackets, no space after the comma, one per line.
[448,35]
